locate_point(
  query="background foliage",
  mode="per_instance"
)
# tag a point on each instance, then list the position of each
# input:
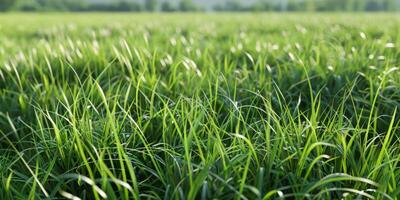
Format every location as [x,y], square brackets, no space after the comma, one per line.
[189,5]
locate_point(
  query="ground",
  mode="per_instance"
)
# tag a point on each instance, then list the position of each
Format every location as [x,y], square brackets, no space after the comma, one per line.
[199,106]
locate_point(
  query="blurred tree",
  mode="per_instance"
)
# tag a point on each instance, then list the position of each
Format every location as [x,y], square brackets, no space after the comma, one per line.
[374,5]
[27,5]
[127,6]
[6,4]
[350,5]
[293,5]
[151,5]
[391,5]
[167,7]
[76,5]
[218,7]
[361,5]
[52,5]
[233,6]
[262,5]
[310,5]
[340,5]
[284,5]
[187,5]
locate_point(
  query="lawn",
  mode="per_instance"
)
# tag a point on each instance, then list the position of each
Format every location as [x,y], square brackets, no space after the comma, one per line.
[199,106]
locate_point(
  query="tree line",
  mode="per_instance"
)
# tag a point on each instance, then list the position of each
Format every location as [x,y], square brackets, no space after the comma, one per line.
[189,5]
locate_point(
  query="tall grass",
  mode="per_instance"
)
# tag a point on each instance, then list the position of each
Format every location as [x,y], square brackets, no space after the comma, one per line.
[199,106]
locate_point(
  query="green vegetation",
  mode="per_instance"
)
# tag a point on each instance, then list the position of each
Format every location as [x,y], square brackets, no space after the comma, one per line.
[196,106]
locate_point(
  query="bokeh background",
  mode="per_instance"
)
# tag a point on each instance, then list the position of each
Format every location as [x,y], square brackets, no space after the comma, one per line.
[201,5]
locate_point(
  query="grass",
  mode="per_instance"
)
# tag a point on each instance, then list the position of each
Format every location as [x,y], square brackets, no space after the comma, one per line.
[199,106]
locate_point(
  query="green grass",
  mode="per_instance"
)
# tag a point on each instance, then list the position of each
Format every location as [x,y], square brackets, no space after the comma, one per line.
[199,106]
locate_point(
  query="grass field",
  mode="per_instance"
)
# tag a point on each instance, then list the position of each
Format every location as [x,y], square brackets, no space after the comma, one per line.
[199,106]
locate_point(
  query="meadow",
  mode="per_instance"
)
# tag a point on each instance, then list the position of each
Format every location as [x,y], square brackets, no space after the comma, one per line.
[199,106]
